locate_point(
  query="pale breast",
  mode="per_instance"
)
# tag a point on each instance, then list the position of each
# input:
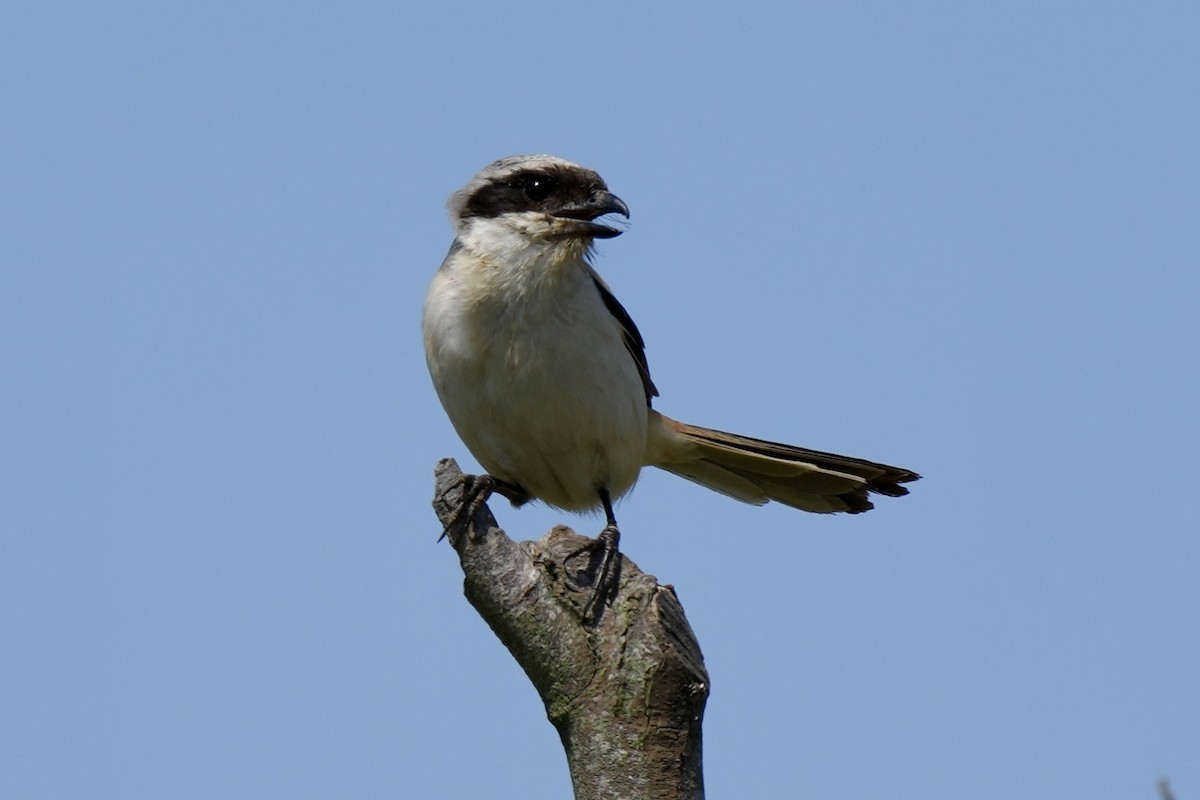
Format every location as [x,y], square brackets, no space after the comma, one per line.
[538,383]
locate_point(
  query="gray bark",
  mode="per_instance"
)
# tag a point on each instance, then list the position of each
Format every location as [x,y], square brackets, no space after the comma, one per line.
[625,691]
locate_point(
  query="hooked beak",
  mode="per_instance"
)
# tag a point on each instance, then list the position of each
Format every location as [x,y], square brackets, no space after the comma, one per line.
[585,214]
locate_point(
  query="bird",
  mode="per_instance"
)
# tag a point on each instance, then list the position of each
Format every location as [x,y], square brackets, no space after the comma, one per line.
[544,374]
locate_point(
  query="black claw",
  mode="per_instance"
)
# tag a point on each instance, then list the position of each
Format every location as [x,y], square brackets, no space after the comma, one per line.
[608,575]
[476,489]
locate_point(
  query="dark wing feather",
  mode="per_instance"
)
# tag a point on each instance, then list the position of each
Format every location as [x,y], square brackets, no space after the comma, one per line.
[634,342]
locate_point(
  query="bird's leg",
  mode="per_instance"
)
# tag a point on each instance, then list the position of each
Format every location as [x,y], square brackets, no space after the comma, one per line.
[608,576]
[476,490]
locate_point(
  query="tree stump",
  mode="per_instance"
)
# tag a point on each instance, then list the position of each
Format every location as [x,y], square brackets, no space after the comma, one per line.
[625,689]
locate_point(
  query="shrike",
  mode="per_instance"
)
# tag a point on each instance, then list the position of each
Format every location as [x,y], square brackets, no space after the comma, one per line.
[544,374]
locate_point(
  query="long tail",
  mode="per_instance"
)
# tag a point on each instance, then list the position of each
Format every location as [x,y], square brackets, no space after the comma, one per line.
[757,471]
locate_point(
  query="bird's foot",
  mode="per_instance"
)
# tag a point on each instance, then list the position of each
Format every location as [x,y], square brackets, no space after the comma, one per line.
[608,572]
[476,489]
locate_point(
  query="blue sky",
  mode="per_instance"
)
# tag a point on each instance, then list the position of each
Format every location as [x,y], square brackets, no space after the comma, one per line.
[959,237]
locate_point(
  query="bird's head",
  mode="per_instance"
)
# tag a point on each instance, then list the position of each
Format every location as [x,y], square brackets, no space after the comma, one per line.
[540,199]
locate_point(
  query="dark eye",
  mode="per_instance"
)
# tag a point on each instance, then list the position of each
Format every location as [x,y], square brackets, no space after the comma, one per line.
[538,187]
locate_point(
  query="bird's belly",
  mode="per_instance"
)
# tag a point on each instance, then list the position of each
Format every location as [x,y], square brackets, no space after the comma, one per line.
[559,414]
